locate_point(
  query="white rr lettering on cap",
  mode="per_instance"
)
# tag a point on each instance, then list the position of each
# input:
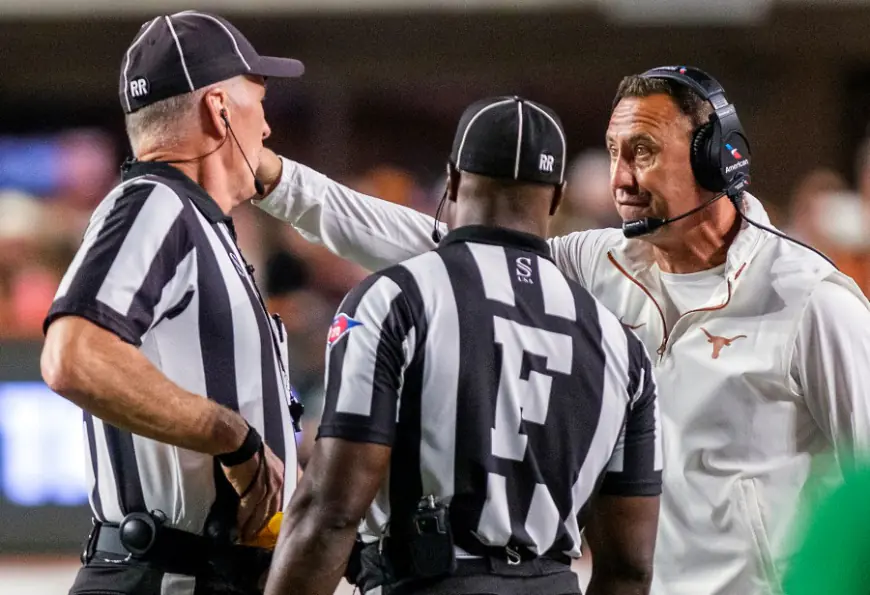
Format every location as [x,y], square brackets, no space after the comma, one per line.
[138,87]
[546,163]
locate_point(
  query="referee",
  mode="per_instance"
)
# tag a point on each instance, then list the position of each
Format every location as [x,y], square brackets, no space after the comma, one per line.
[158,331]
[481,409]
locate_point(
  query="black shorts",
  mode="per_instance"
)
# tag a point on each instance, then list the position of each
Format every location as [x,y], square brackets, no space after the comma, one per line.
[100,577]
[562,583]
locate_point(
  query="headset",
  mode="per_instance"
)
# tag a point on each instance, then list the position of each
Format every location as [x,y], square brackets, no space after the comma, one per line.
[719,155]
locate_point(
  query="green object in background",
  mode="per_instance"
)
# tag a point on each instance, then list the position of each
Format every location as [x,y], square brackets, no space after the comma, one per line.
[834,558]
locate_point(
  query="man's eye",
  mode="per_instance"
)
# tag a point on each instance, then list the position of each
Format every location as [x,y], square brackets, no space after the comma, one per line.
[641,150]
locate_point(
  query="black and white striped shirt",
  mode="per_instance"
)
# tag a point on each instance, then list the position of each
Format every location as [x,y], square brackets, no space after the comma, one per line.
[503,388]
[160,268]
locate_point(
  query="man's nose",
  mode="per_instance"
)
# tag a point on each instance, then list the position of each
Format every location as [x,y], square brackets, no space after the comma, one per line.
[267,132]
[622,176]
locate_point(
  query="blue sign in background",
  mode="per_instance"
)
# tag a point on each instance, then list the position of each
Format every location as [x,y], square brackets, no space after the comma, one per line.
[44,481]
[42,450]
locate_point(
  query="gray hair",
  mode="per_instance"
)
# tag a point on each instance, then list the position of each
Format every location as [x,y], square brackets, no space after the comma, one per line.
[163,123]
[167,123]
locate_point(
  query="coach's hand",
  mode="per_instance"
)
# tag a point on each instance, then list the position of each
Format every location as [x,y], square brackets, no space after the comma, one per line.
[269,170]
[260,483]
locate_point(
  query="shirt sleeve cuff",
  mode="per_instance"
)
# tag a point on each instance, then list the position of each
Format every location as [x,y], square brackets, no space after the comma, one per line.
[101,315]
[285,202]
[614,486]
[355,434]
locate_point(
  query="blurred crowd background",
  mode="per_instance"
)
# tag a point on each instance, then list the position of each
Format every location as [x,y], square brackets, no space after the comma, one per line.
[385,84]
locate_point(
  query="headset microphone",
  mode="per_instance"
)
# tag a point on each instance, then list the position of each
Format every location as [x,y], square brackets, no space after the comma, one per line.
[258,185]
[641,227]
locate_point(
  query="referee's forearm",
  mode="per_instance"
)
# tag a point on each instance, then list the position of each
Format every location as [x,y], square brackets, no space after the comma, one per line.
[113,381]
[311,558]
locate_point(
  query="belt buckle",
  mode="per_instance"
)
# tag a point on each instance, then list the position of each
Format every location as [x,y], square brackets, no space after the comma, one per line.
[513,556]
[91,544]
[88,551]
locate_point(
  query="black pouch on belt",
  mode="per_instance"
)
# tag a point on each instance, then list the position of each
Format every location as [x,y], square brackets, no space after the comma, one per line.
[431,545]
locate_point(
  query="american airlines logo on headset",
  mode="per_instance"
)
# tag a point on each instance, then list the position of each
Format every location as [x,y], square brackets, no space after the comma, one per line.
[737,165]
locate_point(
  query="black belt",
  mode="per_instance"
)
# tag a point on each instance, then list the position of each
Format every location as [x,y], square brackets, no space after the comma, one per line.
[180,552]
[380,569]
[507,554]
[497,566]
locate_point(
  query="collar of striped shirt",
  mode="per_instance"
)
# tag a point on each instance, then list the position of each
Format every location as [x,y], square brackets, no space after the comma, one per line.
[501,236]
[197,194]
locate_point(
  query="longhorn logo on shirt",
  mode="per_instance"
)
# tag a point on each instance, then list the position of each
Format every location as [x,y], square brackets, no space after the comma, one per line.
[341,325]
[720,342]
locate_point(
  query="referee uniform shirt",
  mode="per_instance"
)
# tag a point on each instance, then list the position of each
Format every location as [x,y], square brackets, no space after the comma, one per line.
[504,389]
[160,268]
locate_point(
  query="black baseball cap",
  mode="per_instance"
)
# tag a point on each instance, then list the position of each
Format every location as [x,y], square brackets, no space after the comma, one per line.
[183,52]
[511,138]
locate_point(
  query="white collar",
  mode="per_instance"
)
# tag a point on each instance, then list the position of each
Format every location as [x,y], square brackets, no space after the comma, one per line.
[637,255]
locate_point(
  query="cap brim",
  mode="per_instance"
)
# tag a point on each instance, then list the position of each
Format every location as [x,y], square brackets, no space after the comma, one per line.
[278,67]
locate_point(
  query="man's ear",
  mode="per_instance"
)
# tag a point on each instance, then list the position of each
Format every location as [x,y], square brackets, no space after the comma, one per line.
[557,198]
[452,182]
[217,112]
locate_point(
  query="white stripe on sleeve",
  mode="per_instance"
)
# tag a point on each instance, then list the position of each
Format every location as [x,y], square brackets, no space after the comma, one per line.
[361,352]
[140,247]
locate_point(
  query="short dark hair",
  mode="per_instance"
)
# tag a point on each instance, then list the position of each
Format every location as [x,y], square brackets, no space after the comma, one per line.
[690,103]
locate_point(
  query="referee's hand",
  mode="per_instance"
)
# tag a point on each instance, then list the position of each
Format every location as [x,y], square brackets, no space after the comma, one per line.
[260,483]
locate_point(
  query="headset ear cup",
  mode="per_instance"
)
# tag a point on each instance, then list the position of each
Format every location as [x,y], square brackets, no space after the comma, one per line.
[705,159]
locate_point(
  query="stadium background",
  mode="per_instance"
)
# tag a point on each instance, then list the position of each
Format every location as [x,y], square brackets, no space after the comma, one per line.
[385,84]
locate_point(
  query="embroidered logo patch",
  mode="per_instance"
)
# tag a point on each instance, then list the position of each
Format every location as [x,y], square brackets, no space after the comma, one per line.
[341,325]
[720,342]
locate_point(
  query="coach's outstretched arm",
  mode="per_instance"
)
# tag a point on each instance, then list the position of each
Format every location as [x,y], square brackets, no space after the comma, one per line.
[369,231]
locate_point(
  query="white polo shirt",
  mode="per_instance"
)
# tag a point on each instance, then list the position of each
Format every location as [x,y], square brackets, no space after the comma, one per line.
[768,371]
